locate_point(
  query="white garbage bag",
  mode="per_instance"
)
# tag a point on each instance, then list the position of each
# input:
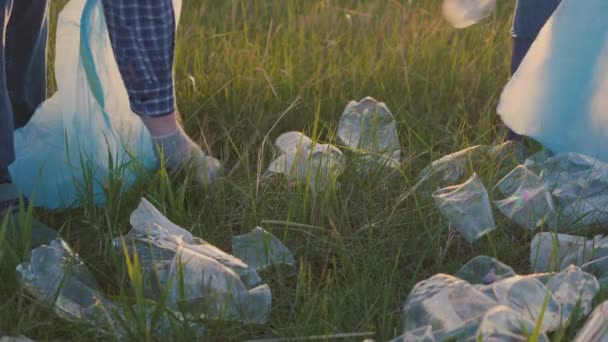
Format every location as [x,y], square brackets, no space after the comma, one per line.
[85,134]
[558,94]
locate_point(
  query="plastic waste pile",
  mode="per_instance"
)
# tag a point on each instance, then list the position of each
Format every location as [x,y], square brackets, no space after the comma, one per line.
[212,283]
[59,278]
[560,192]
[491,302]
[555,251]
[199,280]
[464,13]
[366,128]
[486,299]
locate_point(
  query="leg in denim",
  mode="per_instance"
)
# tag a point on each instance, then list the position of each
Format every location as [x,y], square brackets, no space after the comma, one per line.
[23,29]
[530,17]
[26,38]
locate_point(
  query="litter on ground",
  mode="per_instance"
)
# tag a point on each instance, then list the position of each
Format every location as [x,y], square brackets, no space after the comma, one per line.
[201,282]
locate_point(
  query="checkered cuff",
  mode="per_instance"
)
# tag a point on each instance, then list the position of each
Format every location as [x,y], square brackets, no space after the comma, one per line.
[153,101]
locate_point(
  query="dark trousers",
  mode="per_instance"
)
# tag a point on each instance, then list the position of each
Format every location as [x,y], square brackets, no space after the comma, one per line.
[530,17]
[23,33]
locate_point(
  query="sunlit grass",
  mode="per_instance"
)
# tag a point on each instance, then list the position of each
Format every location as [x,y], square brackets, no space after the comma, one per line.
[247,71]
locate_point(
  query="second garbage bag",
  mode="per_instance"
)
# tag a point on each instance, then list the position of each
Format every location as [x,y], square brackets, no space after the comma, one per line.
[558,94]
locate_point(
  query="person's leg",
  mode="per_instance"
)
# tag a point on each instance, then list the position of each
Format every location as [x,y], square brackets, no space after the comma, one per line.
[10,198]
[22,69]
[530,17]
[7,150]
[142,34]
[26,42]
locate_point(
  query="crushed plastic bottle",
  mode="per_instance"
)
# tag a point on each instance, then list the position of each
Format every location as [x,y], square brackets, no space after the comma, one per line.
[580,185]
[291,141]
[260,249]
[467,207]
[595,329]
[57,277]
[554,252]
[369,127]
[502,323]
[450,305]
[599,269]
[303,161]
[507,308]
[201,279]
[453,168]
[207,289]
[422,334]
[464,13]
[498,290]
[596,248]
[152,228]
[534,301]
[525,199]
[554,295]
[535,162]
[572,286]
[484,270]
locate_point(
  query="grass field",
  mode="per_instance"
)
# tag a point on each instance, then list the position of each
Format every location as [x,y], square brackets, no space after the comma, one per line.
[266,67]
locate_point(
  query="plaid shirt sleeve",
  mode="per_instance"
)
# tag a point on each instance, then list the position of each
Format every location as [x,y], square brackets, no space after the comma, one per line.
[142,33]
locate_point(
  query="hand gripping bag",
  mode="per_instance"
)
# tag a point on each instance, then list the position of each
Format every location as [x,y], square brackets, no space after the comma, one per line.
[86,133]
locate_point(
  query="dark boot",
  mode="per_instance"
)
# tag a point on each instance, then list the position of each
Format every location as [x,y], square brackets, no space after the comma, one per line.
[20,225]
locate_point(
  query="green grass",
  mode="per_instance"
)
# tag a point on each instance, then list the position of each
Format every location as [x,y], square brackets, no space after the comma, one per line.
[262,68]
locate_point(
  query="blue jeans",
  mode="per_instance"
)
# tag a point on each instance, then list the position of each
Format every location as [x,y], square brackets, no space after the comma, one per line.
[530,17]
[23,33]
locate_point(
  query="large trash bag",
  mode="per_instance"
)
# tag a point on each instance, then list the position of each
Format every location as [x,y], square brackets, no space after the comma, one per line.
[85,134]
[558,94]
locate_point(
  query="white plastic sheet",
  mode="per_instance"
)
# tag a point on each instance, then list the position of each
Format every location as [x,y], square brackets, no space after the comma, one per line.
[464,13]
[86,128]
[303,161]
